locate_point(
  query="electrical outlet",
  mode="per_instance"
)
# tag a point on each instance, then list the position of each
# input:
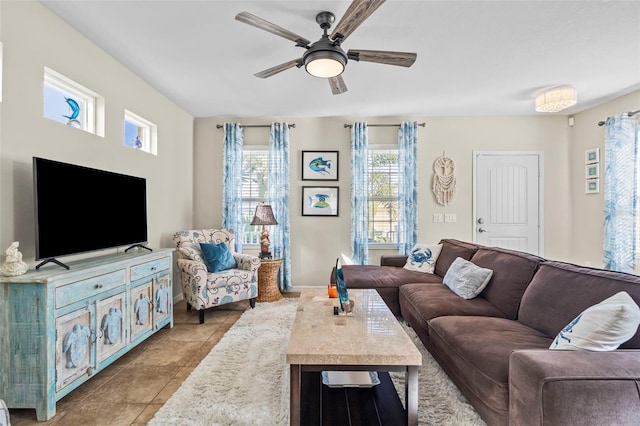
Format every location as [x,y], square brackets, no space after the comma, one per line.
[450,217]
[438,218]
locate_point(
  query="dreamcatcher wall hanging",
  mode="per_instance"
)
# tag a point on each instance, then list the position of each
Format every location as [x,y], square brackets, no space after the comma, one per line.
[444,179]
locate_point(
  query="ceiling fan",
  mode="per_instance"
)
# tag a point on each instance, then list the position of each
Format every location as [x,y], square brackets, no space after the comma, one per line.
[325,57]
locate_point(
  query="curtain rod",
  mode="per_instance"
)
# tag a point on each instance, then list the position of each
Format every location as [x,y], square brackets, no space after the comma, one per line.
[383,125]
[220,126]
[629,114]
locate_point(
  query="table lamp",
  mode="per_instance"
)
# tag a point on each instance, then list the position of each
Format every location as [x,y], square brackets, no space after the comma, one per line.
[264,216]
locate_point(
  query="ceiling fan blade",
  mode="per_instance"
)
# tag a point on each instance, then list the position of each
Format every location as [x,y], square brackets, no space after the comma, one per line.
[278,68]
[402,59]
[337,85]
[258,22]
[356,13]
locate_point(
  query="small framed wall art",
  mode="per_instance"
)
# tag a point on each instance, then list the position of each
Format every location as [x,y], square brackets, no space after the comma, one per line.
[592,186]
[320,200]
[319,165]
[592,156]
[592,171]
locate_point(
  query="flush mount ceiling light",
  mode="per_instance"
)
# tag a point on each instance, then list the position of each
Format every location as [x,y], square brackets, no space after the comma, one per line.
[556,99]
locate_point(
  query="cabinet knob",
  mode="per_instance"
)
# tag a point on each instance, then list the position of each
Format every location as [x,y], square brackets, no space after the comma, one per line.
[98,285]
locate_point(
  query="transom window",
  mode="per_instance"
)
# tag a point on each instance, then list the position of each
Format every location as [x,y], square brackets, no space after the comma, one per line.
[140,133]
[67,102]
[255,173]
[383,194]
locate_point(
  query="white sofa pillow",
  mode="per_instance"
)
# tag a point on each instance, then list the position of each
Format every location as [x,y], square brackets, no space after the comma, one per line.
[423,258]
[466,279]
[601,327]
[4,414]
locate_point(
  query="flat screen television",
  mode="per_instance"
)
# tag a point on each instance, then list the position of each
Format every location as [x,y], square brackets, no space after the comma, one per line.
[79,209]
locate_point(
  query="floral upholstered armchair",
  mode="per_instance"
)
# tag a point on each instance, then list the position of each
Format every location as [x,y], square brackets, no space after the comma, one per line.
[203,289]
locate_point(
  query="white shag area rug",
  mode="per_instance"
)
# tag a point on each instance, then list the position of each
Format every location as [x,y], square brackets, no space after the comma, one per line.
[244,380]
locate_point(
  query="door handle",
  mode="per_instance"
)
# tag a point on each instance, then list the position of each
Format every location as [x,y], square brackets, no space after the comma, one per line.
[482,230]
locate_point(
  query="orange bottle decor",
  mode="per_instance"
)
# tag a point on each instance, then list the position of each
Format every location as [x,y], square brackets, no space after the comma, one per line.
[333,291]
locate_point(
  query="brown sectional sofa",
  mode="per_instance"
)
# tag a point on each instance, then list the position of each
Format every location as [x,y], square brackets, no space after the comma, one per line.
[495,347]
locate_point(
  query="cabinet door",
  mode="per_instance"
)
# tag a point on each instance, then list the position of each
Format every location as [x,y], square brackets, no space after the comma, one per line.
[74,346]
[110,317]
[162,300]
[141,309]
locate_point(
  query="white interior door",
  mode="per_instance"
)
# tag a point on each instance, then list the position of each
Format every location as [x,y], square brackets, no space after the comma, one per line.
[508,200]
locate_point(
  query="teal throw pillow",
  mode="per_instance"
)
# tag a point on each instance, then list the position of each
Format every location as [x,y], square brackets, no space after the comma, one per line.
[217,257]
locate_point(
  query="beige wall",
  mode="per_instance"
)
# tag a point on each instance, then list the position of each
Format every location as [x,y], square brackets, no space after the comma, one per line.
[185,179]
[318,241]
[33,38]
[587,227]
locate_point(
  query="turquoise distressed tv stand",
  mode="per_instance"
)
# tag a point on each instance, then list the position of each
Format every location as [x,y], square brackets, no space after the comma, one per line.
[58,328]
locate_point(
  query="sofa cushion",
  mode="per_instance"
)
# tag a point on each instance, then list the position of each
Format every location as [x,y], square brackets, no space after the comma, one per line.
[601,327]
[385,279]
[560,291]
[512,272]
[421,302]
[423,258]
[474,351]
[451,249]
[217,257]
[466,279]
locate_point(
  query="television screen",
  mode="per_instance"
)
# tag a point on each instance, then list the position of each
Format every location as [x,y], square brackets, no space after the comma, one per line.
[79,209]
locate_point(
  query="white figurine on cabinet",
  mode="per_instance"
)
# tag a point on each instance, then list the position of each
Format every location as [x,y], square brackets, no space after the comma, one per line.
[14,265]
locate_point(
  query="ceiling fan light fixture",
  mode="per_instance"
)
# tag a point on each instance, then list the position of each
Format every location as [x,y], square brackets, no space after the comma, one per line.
[556,99]
[325,63]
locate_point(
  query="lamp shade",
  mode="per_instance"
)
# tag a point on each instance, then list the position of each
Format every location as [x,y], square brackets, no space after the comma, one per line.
[263,215]
[556,99]
[324,64]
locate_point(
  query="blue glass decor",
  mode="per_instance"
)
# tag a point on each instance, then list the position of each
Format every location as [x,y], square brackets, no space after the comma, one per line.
[75,112]
[343,294]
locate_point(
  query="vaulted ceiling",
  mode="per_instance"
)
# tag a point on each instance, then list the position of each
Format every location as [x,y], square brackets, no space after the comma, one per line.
[474,57]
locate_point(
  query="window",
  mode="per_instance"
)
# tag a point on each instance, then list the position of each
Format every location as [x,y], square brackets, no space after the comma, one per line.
[140,133]
[67,102]
[383,195]
[255,171]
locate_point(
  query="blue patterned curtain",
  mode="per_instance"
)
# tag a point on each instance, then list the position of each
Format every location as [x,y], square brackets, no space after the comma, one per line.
[279,199]
[359,194]
[231,178]
[407,187]
[620,192]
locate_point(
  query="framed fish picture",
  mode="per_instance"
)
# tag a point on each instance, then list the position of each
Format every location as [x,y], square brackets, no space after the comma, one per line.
[320,201]
[319,165]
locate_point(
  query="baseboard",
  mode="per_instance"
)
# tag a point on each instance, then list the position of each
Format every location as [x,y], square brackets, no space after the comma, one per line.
[299,288]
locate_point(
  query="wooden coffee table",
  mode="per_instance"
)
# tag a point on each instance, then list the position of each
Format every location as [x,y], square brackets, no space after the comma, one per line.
[370,340]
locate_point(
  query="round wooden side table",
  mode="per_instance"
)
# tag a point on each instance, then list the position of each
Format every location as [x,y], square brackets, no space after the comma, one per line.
[268,290]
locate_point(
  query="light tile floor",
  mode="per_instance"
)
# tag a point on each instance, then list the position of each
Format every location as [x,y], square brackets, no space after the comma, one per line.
[132,389]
